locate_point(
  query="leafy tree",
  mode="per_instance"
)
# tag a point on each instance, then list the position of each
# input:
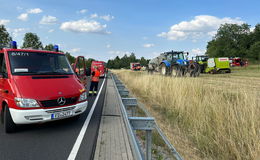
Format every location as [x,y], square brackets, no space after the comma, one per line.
[70,57]
[143,61]
[49,47]
[125,61]
[5,38]
[254,52]
[256,33]
[31,40]
[88,62]
[231,40]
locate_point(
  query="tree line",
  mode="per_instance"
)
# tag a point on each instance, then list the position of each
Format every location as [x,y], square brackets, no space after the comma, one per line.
[233,40]
[124,62]
[31,40]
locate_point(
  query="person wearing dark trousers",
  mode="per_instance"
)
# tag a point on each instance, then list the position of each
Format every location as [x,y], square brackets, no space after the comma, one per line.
[94,81]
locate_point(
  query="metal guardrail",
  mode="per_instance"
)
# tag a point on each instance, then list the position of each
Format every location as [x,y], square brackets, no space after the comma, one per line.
[135,123]
[135,146]
[139,123]
[165,139]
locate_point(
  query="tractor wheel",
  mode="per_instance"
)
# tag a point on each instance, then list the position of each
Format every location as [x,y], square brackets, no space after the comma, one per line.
[163,69]
[175,71]
[9,125]
[194,70]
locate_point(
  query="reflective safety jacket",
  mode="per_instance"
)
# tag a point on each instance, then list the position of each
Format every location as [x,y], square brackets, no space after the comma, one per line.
[95,76]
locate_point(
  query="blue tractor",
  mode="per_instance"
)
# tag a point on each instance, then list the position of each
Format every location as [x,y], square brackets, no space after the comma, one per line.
[174,63]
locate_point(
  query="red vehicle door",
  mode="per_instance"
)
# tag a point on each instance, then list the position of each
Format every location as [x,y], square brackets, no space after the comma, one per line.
[80,69]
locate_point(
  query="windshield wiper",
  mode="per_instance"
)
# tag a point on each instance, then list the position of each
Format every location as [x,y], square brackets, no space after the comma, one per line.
[52,73]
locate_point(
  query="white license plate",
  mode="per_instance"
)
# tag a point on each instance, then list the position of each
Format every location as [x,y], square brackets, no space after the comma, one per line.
[61,114]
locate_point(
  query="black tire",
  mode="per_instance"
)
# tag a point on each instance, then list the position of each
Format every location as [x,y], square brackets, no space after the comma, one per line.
[174,71]
[163,69]
[194,70]
[9,125]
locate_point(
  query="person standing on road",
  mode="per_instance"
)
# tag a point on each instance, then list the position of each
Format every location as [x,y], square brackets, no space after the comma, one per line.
[94,81]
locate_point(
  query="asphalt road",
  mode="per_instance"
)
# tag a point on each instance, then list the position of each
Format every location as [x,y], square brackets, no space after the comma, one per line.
[53,140]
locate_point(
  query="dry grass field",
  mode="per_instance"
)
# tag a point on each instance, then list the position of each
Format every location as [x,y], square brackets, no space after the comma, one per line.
[209,117]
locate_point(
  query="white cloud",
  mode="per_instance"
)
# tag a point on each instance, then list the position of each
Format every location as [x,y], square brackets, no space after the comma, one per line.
[200,26]
[148,45]
[108,46]
[23,16]
[48,20]
[4,21]
[51,30]
[82,11]
[75,50]
[252,29]
[198,51]
[94,15]
[104,17]
[34,11]
[84,26]
[107,17]
[18,31]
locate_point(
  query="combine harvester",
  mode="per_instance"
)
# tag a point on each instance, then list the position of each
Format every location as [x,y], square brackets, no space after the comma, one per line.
[174,63]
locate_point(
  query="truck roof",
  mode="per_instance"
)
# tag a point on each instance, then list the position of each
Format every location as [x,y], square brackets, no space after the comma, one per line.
[30,50]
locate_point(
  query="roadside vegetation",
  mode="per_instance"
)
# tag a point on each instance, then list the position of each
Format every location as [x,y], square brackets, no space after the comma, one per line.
[210,117]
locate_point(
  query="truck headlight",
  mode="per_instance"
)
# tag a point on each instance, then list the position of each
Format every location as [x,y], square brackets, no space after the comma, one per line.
[83,96]
[26,103]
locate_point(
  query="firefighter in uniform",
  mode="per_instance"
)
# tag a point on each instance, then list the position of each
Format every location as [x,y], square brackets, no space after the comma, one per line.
[94,81]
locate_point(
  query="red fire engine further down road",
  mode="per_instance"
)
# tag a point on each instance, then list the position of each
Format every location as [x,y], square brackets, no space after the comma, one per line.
[100,65]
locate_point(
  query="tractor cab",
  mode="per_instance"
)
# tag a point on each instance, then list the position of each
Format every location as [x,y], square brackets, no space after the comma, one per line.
[201,59]
[177,57]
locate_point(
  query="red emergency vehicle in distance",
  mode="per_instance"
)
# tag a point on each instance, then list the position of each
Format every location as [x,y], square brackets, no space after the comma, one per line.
[135,66]
[237,61]
[100,65]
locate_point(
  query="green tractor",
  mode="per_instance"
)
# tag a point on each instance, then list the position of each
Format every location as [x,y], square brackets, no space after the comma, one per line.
[202,60]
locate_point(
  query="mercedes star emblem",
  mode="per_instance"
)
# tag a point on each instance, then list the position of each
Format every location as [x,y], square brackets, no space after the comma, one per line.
[61,101]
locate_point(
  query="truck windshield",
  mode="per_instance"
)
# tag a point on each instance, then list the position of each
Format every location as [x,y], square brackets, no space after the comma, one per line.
[202,58]
[178,56]
[38,63]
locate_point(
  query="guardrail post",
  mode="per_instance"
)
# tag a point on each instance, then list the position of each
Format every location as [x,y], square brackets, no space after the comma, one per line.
[123,93]
[147,124]
[148,144]
[130,102]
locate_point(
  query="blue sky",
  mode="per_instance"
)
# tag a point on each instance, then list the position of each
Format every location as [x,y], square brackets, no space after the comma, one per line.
[103,29]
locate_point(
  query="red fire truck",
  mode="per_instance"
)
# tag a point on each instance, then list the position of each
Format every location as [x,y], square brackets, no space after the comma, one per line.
[135,66]
[37,86]
[100,65]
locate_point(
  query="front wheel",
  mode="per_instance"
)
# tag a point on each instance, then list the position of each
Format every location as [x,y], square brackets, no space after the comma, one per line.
[163,69]
[9,125]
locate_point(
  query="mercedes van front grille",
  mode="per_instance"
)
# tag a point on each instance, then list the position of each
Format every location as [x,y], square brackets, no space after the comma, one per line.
[60,110]
[54,102]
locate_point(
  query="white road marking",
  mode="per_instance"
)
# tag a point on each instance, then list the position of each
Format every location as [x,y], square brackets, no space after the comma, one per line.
[82,132]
